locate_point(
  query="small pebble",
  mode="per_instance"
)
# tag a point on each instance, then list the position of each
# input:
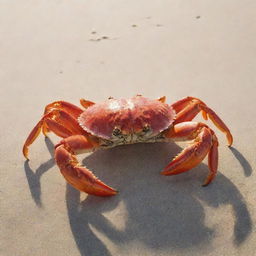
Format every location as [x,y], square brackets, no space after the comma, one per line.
[198,17]
[134,25]
[95,40]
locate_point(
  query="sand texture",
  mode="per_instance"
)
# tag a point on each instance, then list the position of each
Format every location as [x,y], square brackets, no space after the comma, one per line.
[52,50]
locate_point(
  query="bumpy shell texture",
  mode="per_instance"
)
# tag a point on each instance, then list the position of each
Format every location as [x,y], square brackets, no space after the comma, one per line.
[126,116]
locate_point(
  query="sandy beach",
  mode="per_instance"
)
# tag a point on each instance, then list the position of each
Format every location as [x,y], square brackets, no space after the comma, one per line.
[67,50]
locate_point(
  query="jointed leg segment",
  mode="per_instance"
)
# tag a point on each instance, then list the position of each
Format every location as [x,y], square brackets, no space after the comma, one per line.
[60,118]
[187,108]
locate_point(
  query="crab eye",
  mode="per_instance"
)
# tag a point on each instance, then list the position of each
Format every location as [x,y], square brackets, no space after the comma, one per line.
[146,128]
[116,131]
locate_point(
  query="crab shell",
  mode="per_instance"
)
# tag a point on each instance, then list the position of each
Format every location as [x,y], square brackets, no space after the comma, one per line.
[127,120]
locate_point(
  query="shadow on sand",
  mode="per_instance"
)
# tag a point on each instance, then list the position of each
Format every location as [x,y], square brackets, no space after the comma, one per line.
[33,178]
[161,212]
[244,163]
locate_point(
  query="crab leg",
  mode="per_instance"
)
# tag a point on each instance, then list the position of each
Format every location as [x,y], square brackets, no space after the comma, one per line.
[179,105]
[58,121]
[187,108]
[79,176]
[86,103]
[205,142]
[162,99]
[71,109]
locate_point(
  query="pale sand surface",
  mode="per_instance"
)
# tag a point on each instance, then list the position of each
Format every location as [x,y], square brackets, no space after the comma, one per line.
[50,50]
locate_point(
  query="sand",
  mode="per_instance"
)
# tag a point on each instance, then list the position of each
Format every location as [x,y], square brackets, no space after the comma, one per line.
[51,50]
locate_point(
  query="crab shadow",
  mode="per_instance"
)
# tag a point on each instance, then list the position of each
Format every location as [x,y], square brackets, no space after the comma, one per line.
[243,162]
[161,212]
[33,178]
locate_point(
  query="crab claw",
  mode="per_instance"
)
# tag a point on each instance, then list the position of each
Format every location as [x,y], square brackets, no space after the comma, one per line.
[205,143]
[78,176]
[190,156]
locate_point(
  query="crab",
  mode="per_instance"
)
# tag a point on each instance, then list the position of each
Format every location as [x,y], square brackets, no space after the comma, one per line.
[117,122]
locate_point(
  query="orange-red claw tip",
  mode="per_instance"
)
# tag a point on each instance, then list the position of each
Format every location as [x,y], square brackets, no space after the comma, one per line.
[205,184]
[25,152]
[110,193]
[166,172]
[115,192]
[107,191]
[209,180]
[230,139]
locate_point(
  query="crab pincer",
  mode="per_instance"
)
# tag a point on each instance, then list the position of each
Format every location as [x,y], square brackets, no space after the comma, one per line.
[79,176]
[205,142]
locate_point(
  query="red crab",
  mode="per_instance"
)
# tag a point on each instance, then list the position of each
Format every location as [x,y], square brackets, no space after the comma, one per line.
[125,121]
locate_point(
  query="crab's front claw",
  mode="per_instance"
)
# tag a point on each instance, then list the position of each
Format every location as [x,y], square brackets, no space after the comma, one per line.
[78,176]
[190,156]
[205,142]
